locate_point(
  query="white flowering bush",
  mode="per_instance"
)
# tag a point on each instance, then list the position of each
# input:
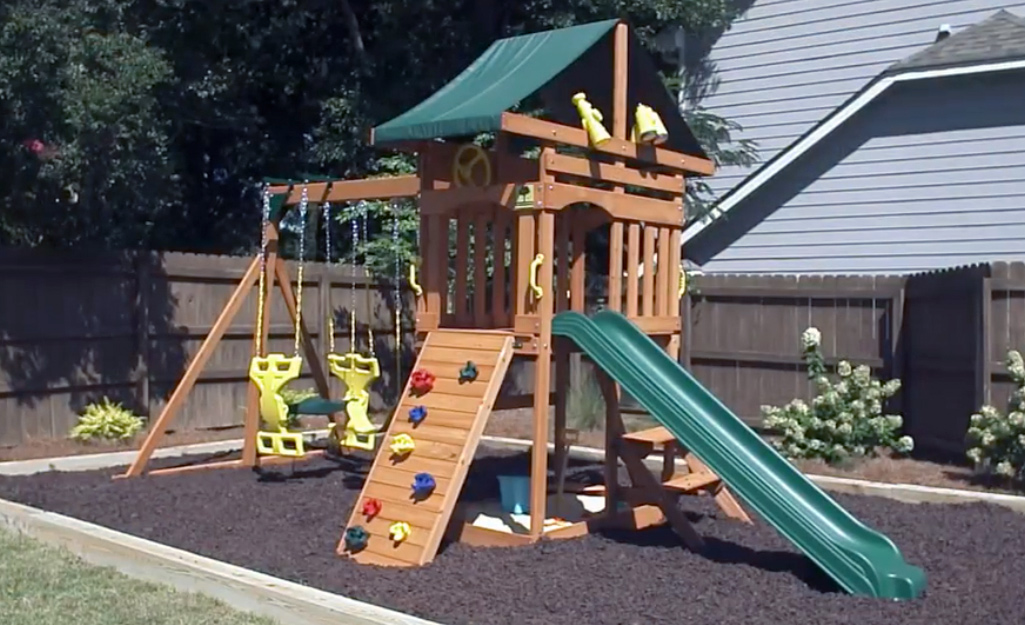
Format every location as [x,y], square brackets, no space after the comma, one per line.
[996,442]
[845,420]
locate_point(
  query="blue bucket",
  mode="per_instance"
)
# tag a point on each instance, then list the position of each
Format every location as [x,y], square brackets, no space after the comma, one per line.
[515,491]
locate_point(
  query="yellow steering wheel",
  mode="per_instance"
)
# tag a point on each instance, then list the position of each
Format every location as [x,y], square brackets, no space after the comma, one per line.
[465,167]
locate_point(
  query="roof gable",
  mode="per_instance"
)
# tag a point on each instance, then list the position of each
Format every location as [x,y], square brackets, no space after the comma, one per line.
[1000,37]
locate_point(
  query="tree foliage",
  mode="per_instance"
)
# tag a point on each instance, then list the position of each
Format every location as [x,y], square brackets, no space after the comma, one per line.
[148,123]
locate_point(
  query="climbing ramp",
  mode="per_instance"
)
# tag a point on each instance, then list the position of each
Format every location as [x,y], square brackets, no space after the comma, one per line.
[421,464]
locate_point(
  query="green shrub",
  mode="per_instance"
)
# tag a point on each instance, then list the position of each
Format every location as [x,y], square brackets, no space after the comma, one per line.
[845,419]
[106,420]
[997,442]
[294,396]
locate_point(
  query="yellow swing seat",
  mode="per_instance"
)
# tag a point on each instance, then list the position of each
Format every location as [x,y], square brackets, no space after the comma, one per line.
[271,373]
[357,372]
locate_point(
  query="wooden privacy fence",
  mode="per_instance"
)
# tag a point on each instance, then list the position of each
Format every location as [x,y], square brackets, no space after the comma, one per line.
[743,333]
[75,328]
[959,325]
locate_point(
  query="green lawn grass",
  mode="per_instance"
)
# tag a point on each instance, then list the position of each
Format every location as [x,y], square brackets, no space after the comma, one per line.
[42,585]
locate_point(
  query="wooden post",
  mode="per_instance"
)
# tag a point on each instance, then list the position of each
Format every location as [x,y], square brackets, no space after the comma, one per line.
[648,279]
[480,268]
[578,276]
[544,307]
[194,369]
[633,259]
[674,287]
[620,115]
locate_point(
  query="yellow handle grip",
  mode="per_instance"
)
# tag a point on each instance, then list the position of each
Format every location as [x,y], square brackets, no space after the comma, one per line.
[534,266]
[413,284]
[682,288]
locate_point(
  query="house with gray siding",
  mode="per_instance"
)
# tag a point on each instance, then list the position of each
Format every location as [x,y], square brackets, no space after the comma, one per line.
[882,152]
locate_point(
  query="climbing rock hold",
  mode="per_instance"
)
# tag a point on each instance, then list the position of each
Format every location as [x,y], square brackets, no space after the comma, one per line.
[399,531]
[371,508]
[423,485]
[356,538]
[421,381]
[468,373]
[417,414]
[402,444]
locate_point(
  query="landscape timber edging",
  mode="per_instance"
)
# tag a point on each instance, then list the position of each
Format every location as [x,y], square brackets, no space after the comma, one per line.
[243,589]
[907,493]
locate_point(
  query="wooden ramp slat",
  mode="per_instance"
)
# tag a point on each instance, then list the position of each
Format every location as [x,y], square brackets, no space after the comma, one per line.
[653,436]
[691,482]
[445,443]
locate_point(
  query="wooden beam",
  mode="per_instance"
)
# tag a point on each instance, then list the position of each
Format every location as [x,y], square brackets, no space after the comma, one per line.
[445,201]
[195,368]
[621,206]
[633,260]
[648,278]
[549,131]
[608,172]
[663,269]
[351,190]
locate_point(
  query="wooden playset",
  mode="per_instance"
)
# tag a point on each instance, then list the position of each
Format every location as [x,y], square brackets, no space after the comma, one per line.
[521,228]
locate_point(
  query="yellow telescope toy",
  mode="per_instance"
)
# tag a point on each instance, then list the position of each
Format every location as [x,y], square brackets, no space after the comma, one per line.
[590,118]
[648,126]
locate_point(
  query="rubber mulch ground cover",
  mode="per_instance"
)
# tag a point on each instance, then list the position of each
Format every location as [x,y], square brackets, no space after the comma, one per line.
[286,524]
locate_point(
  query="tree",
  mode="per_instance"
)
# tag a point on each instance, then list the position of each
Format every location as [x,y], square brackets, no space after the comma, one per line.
[156,119]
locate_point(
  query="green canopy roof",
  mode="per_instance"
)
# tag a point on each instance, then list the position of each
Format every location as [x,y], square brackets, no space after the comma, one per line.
[556,63]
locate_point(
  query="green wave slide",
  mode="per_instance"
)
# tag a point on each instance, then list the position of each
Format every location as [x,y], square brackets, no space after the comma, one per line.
[861,560]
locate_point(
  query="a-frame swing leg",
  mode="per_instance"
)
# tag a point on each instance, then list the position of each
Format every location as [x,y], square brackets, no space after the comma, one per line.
[195,368]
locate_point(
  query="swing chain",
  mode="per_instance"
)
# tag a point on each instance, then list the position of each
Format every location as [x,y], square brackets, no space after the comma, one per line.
[327,258]
[354,227]
[364,218]
[264,241]
[303,206]
[397,295]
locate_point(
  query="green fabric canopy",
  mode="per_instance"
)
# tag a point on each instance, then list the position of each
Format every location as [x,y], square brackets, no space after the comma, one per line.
[554,64]
[506,73]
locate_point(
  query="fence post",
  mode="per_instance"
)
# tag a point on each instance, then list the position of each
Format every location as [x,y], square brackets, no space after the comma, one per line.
[983,347]
[141,305]
[897,351]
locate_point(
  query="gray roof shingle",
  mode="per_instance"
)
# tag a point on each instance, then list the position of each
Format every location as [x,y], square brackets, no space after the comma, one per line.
[1000,37]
